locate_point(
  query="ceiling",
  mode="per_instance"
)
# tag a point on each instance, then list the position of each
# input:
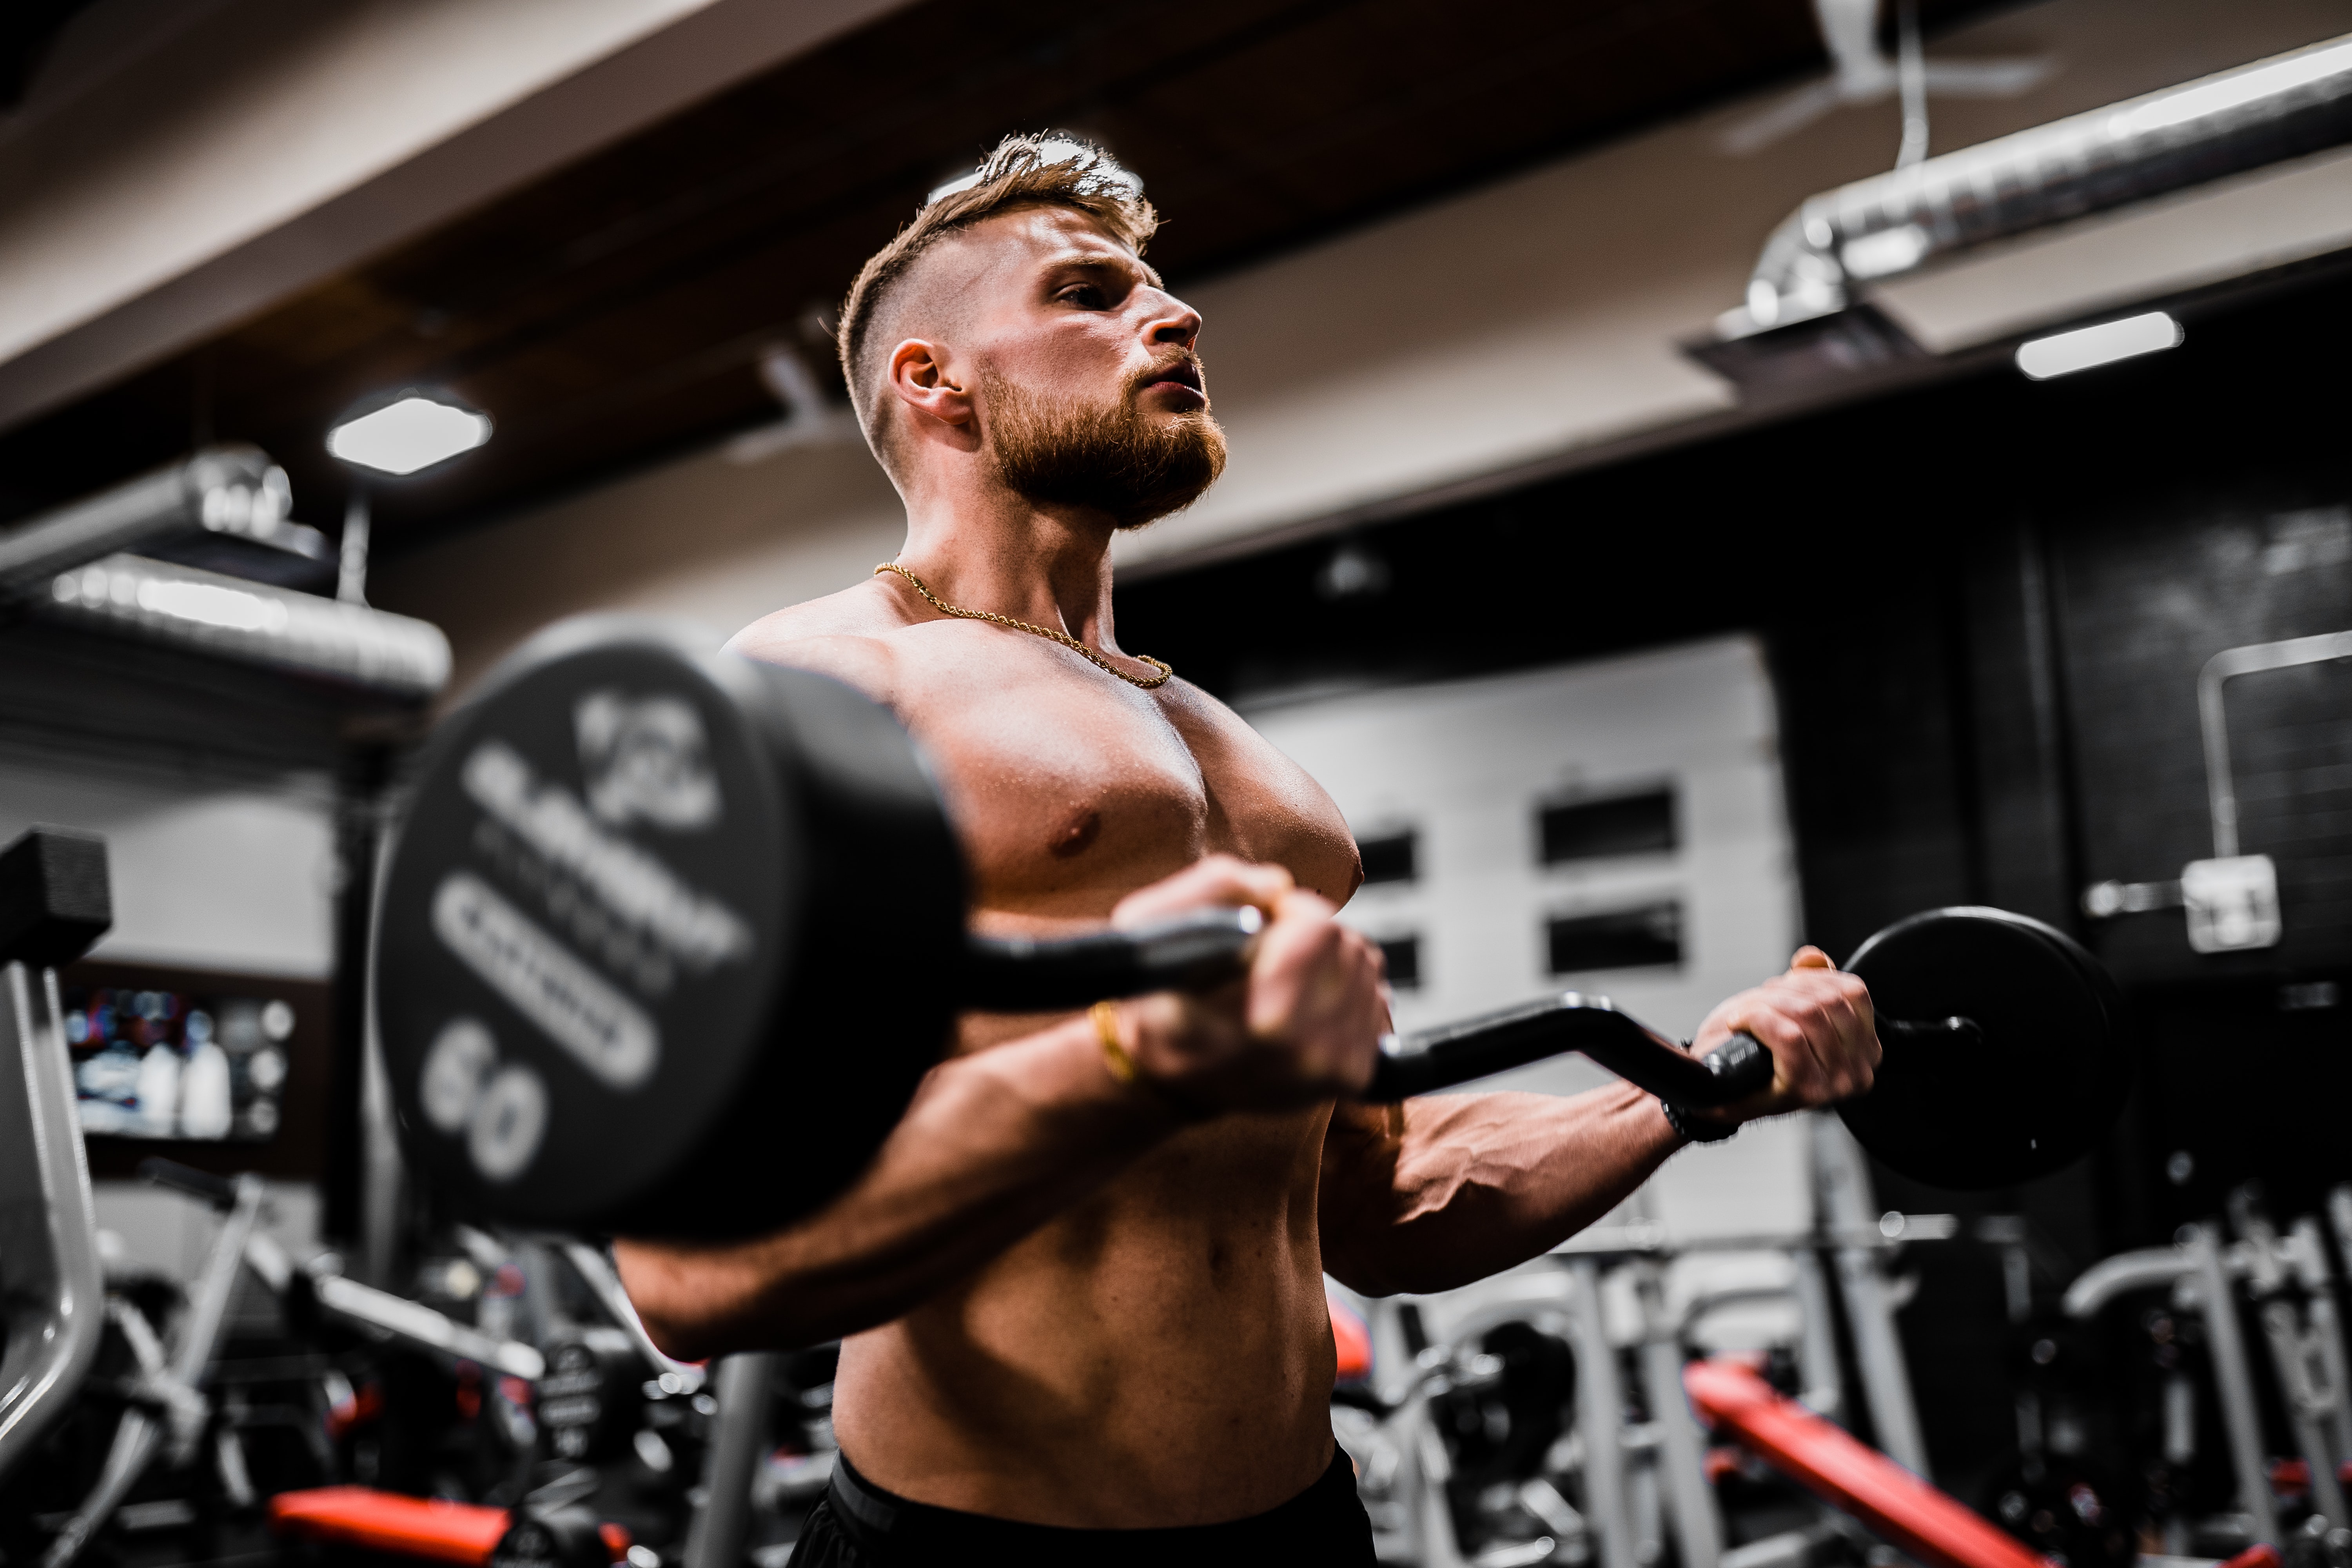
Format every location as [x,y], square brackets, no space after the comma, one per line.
[615,312]
[28,27]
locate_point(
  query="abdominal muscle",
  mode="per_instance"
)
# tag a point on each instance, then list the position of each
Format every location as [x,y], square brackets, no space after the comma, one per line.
[1159,1354]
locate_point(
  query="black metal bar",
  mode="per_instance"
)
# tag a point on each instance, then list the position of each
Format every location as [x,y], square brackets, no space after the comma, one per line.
[359,806]
[1533,1031]
[203,1184]
[1200,952]
[1038,974]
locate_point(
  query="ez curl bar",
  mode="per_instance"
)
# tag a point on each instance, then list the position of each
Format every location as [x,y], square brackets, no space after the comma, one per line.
[669,937]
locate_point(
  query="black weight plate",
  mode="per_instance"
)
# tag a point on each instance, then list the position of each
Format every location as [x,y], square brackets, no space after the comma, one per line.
[2036,1091]
[585,927]
[610,945]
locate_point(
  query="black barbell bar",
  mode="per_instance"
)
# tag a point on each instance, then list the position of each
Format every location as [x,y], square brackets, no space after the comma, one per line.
[668,938]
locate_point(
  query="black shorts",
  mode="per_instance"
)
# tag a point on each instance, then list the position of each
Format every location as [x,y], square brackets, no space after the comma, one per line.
[856,1523]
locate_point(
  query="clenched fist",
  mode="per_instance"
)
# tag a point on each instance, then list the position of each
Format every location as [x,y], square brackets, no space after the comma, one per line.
[1304,1024]
[1816,1022]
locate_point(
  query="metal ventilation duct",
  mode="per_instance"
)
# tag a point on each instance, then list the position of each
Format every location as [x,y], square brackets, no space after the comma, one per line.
[2224,124]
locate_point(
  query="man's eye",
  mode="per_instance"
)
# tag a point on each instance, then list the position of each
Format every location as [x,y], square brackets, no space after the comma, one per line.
[1086,295]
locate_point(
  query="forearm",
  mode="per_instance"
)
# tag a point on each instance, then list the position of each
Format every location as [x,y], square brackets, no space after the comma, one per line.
[1447,1189]
[995,1144]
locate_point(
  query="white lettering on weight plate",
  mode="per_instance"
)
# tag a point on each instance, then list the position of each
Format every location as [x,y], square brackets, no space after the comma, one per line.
[635,887]
[608,1034]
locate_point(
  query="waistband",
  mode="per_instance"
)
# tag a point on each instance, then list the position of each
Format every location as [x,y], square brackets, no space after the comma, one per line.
[1324,1524]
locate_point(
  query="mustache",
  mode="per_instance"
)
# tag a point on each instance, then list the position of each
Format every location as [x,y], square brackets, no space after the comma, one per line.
[1186,361]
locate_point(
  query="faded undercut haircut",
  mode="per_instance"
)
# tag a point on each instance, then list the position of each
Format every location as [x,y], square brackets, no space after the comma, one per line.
[1046,170]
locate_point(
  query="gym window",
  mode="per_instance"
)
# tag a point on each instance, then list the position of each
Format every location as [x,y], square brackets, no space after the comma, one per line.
[1648,937]
[1591,829]
[1390,856]
[1404,955]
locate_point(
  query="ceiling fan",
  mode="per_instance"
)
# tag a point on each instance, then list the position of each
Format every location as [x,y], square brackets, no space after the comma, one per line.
[1862,73]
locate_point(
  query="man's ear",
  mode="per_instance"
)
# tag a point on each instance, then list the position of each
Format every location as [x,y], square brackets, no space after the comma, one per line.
[925,377]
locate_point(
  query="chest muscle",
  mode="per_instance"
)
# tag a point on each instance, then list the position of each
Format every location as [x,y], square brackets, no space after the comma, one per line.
[1069,794]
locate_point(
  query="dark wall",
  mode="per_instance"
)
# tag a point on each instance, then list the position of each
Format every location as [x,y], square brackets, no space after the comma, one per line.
[1986,605]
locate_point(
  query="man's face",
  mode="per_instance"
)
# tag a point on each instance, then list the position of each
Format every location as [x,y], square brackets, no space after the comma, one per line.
[1090,392]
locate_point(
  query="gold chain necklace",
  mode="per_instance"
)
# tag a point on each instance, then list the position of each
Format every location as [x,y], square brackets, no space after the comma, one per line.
[1073,644]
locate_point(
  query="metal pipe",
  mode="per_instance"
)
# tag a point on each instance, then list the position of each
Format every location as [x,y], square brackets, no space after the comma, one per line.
[1817,1354]
[1681,1450]
[1844,1182]
[413,1321]
[2273,110]
[2298,1345]
[51,1293]
[1600,1417]
[142,1431]
[2109,1278]
[2214,721]
[2234,1380]
[721,1528]
[602,1283]
[2318,1281]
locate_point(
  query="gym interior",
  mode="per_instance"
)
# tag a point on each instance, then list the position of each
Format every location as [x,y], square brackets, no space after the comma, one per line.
[1701,478]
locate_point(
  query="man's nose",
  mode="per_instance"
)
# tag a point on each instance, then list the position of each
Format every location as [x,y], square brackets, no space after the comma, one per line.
[1173,322]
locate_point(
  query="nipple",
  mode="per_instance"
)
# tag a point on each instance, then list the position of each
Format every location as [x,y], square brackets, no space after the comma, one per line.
[1075,835]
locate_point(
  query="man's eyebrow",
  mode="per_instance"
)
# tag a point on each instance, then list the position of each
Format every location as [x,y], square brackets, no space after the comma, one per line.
[1091,261]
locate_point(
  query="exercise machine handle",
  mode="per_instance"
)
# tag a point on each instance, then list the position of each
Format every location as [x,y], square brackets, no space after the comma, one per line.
[1456,1053]
[1197,952]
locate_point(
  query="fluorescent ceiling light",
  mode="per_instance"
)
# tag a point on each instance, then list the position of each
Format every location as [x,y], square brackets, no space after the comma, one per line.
[412,433]
[2063,353]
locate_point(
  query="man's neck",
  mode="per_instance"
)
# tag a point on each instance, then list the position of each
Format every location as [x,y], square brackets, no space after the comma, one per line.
[998,552]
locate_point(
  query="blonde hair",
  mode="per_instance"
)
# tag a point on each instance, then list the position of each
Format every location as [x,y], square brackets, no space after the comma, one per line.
[1047,169]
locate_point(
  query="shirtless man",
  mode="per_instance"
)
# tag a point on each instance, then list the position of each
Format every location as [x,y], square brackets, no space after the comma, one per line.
[1080,1288]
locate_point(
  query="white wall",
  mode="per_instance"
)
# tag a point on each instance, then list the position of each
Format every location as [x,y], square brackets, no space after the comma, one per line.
[1467,763]
[206,873]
